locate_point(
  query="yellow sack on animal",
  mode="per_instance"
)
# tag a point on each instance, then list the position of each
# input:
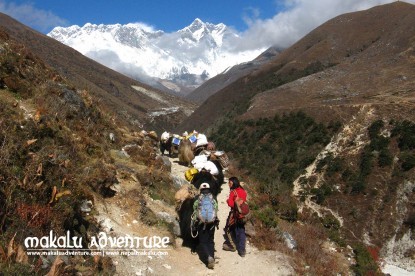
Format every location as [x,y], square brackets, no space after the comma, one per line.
[190,173]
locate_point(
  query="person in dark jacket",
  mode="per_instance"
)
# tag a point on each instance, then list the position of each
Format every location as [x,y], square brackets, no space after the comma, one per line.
[206,232]
[235,237]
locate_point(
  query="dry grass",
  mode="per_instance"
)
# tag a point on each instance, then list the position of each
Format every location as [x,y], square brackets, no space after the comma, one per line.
[313,255]
[53,156]
[35,215]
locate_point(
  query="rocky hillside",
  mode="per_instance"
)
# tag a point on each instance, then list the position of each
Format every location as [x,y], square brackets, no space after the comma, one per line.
[129,100]
[325,131]
[371,55]
[62,152]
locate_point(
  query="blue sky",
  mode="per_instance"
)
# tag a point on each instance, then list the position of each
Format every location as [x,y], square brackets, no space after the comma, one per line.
[165,15]
[262,23]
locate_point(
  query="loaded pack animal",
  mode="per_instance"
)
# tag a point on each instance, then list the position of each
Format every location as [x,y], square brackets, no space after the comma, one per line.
[169,145]
[215,181]
[206,177]
[166,145]
[185,152]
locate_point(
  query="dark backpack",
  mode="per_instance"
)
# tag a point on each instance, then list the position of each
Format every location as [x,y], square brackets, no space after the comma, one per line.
[206,211]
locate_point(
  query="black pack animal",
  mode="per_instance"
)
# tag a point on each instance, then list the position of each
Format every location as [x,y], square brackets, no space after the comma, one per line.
[215,180]
[206,177]
[186,209]
[185,213]
[166,145]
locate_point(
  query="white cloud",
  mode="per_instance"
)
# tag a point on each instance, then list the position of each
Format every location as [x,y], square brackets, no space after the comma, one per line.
[297,19]
[111,59]
[144,26]
[250,15]
[29,15]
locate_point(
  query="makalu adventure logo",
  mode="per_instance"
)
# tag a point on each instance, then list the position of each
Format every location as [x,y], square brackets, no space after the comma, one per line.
[102,244]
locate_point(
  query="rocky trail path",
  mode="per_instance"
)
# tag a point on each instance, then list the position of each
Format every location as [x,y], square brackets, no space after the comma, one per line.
[228,263]
[180,260]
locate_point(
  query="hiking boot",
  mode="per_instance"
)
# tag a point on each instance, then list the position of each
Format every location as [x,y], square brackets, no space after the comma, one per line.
[242,253]
[228,247]
[211,262]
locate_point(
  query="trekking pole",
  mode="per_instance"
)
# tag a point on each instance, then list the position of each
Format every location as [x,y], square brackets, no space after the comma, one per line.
[192,224]
[191,233]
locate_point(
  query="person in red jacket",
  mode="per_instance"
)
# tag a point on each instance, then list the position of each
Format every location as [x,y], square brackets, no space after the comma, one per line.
[235,237]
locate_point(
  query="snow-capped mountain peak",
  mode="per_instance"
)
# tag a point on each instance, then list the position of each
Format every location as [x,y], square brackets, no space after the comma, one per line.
[187,57]
[199,30]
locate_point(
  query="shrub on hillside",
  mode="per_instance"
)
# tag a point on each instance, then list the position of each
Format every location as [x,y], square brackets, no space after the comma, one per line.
[274,151]
[366,163]
[385,158]
[330,222]
[408,161]
[321,193]
[375,128]
[410,220]
[365,264]
[267,216]
[405,130]
[358,186]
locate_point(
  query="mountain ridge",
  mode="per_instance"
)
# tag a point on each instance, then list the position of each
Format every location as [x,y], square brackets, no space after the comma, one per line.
[186,58]
[220,81]
[311,54]
[379,53]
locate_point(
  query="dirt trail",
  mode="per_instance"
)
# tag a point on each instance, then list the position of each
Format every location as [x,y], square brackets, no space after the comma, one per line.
[180,260]
[254,263]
